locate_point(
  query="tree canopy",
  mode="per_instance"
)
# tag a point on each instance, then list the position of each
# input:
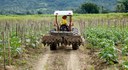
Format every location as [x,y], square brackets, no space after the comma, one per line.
[48,6]
[122,6]
[88,8]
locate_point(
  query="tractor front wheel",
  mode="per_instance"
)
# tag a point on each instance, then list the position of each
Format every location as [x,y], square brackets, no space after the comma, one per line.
[53,46]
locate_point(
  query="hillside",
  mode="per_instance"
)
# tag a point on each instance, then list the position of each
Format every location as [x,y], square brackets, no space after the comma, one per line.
[48,6]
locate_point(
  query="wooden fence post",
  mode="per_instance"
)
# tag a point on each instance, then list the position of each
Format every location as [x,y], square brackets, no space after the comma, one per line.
[9,50]
[4,53]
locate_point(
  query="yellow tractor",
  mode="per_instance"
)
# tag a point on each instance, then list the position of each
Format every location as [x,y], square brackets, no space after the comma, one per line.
[63,34]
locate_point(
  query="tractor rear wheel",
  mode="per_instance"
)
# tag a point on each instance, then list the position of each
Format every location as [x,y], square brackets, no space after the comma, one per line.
[53,46]
[75,46]
[75,31]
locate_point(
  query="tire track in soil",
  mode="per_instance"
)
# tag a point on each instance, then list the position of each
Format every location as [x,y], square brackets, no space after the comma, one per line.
[58,59]
[40,65]
[64,59]
[73,62]
[79,60]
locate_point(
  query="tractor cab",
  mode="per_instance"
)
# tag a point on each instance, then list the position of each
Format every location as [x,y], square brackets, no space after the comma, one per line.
[65,24]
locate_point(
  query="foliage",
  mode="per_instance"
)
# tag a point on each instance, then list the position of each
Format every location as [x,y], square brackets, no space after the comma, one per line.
[89,8]
[47,6]
[15,43]
[109,53]
[125,50]
[106,40]
[103,34]
[21,30]
[122,6]
[32,40]
[125,65]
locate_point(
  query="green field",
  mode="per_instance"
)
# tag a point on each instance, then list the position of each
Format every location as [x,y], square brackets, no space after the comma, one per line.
[77,16]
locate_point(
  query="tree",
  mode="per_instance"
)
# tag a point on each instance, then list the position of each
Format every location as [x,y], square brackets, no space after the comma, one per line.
[122,6]
[88,8]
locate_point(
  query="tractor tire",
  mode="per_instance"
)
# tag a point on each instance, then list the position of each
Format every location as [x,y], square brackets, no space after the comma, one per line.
[75,46]
[53,46]
[75,31]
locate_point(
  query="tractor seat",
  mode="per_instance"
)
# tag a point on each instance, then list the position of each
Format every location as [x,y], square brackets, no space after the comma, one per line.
[64,28]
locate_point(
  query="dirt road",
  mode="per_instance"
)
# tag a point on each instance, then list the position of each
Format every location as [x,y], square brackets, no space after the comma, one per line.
[63,59]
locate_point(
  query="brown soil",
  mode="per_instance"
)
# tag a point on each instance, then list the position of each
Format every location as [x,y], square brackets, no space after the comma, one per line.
[64,59]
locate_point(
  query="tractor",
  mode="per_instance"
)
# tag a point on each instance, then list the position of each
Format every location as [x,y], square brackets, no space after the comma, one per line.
[63,34]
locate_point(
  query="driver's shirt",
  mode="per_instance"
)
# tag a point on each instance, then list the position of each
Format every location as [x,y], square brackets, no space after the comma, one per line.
[64,22]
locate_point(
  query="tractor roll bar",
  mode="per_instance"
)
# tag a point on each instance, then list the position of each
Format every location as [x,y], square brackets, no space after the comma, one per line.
[56,23]
[70,22]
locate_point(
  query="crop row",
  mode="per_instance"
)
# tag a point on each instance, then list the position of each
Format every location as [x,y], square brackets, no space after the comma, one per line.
[17,36]
[108,40]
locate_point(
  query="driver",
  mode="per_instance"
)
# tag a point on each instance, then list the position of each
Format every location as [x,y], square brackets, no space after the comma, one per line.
[64,20]
[64,26]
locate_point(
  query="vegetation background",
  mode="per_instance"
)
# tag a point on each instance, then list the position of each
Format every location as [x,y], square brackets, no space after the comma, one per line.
[48,6]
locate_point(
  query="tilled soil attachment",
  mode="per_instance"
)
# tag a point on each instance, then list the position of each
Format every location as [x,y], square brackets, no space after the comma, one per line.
[48,40]
[53,41]
[70,40]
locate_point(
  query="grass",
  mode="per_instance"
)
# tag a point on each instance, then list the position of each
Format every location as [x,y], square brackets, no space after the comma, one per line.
[75,16]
